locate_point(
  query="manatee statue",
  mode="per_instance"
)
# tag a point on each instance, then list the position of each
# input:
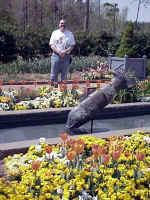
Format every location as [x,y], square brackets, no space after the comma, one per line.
[95,102]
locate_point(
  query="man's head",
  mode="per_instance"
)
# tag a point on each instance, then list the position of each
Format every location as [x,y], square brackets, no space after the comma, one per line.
[62,25]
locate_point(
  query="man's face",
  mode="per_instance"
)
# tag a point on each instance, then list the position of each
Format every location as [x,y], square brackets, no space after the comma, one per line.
[62,25]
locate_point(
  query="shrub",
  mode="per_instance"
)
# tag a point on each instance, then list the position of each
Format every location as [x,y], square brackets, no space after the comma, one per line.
[127,46]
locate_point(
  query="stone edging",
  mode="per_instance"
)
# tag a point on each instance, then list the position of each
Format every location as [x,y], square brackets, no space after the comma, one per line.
[22,146]
[59,115]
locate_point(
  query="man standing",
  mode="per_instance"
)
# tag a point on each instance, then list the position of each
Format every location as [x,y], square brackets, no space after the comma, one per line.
[62,42]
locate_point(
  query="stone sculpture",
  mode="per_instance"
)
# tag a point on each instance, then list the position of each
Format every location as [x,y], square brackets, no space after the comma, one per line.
[95,102]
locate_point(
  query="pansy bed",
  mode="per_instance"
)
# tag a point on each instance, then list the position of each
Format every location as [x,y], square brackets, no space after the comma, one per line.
[117,168]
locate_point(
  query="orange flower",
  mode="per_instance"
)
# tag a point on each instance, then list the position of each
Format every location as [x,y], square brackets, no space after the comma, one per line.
[105,158]
[116,155]
[89,159]
[99,81]
[75,86]
[55,83]
[51,88]
[78,146]
[140,156]
[22,82]
[11,82]
[98,85]
[118,148]
[87,84]
[1,82]
[35,83]
[70,142]
[75,81]
[48,149]
[71,155]
[64,136]
[35,165]
[49,82]
[127,154]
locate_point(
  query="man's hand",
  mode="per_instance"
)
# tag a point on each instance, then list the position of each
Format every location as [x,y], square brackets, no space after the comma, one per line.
[62,53]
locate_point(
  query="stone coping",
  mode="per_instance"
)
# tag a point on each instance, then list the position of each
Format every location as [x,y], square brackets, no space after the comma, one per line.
[22,146]
[44,82]
[59,115]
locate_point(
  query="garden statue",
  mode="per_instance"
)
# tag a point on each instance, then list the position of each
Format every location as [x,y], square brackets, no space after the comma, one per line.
[95,102]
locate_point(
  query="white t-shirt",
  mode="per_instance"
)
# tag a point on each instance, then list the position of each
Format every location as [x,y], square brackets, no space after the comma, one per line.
[62,40]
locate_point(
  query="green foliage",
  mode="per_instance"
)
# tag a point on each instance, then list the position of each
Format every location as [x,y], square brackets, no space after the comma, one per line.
[85,62]
[8,49]
[126,96]
[30,44]
[43,65]
[127,46]
[36,65]
[91,43]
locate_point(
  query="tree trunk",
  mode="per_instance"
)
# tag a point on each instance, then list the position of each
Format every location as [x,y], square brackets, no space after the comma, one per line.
[139,4]
[86,22]
[41,12]
[99,7]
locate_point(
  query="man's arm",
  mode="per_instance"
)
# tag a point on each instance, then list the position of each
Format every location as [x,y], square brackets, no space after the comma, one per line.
[55,49]
[62,53]
[69,49]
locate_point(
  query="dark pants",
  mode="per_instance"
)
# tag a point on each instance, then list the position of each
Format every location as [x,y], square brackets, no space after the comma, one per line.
[59,65]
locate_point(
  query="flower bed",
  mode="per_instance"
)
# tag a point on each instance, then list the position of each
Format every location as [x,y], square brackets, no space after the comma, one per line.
[116,168]
[64,95]
[96,73]
[39,98]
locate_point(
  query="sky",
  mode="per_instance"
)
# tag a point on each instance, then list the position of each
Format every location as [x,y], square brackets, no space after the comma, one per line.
[144,14]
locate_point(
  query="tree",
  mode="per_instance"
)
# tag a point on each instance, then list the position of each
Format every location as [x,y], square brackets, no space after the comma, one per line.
[127,42]
[112,11]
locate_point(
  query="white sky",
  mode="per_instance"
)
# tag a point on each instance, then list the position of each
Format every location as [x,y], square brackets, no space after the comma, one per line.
[144,14]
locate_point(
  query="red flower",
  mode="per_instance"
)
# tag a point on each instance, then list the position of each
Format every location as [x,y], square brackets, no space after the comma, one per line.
[140,156]
[28,89]
[105,158]
[96,150]
[48,149]
[104,150]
